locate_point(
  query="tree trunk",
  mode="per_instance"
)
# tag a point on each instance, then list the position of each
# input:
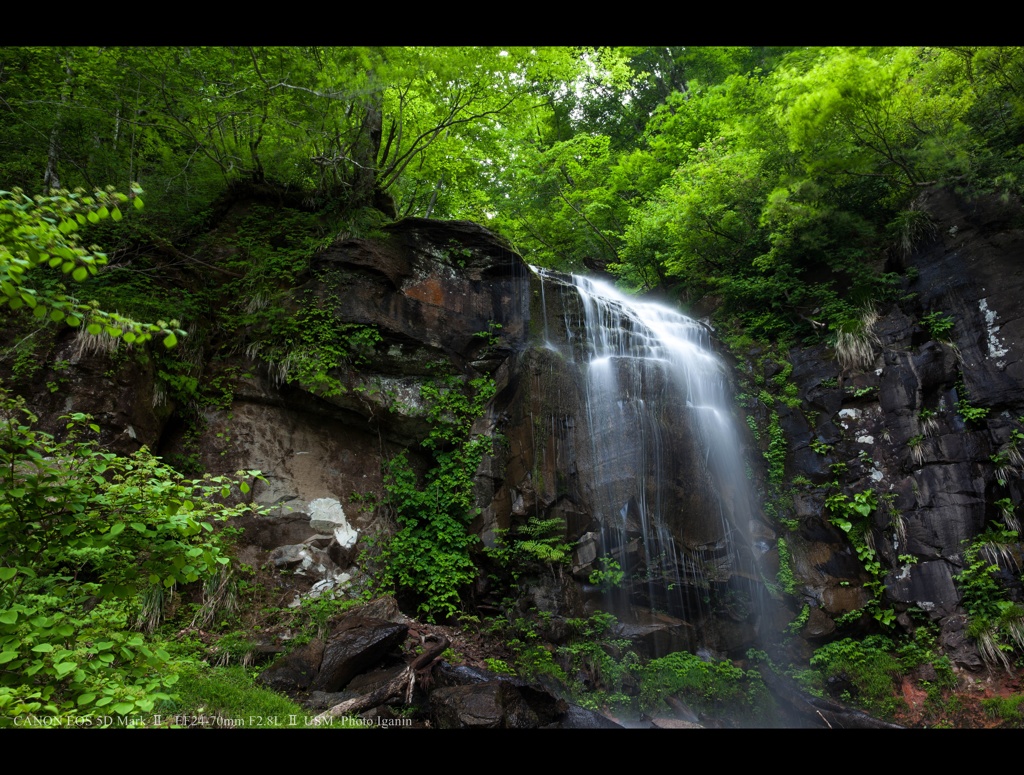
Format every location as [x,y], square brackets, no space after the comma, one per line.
[51,176]
[367,148]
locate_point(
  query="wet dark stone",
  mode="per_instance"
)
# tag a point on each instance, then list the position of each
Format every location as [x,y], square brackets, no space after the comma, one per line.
[355,644]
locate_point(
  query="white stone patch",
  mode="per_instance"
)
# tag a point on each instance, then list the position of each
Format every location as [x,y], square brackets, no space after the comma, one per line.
[904,573]
[397,394]
[876,475]
[327,516]
[995,347]
[878,372]
[848,414]
[865,439]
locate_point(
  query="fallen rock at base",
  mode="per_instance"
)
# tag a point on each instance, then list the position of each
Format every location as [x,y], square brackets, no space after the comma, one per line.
[356,644]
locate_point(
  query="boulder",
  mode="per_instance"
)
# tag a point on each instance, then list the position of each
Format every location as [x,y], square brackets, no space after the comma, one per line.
[356,643]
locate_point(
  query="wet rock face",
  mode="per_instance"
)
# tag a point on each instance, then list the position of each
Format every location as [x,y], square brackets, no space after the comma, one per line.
[904,427]
[629,472]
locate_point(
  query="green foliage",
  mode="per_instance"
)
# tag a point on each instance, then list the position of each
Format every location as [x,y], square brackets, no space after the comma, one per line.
[498,666]
[798,623]
[1006,708]
[708,685]
[969,412]
[995,622]
[910,228]
[317,613]
[938,325]
[428,556]
[596,653]
[609,576]
[543,541]
[844,509]
[87,537]
[820,446]
[785,575]
[776,452]
[851,516]
[871,668]
[230,697]
[308,346]
[534,660]
[41,233]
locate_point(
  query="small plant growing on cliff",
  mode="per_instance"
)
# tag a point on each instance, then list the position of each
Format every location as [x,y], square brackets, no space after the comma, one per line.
[1007,512]
[929,425]
[938,325]
[801,619]
[996,623]
[916,448]
[965,409]
[609,576]
[910,227]
[851,516]
[542,540]
[820,447]
[856,340]
[785,575]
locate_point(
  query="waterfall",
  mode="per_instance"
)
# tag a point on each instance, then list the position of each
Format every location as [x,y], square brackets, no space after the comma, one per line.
[666,479]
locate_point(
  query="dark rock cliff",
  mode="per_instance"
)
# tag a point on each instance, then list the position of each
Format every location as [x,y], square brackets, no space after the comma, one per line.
[922,422]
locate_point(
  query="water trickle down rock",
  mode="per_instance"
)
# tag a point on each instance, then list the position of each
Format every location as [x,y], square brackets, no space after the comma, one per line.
[622,423]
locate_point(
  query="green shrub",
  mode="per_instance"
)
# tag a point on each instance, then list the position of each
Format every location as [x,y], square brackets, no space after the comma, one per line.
[870,666]
[995,622]
[90,542]
[708,686]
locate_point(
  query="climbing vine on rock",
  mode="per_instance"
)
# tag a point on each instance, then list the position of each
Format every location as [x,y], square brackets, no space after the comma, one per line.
[429,555]
[851,514]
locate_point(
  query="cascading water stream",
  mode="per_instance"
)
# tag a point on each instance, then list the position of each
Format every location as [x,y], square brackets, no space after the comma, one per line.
[667,481]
